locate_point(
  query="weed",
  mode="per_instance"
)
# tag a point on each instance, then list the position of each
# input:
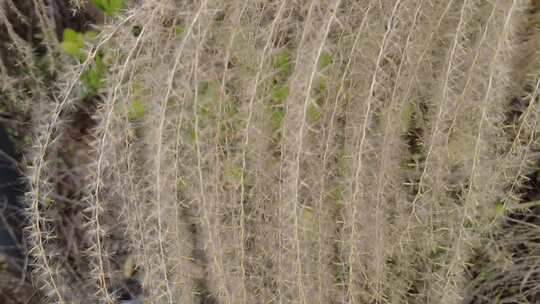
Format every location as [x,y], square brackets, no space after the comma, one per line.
[313,113]
[280,93]
[291,152]
[109,7]
[325,60]
[94,78]
[282,62]
[73,43]
[136,110]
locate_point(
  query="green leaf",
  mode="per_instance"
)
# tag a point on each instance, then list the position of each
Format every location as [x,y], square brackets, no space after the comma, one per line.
[282,62]
[280,93]
[93,78]
[231,111]
[182,185]
[27,140]
[437,252]
[109,7]
[48,202]
[234,173]
[115,6]
[500,209]
[192,135]
[43,63]
[136,110]
[484,274]
[320,85]
[325,60]
[417,157]
[313,114]
[208,98]
[73,43]
[100,4]
[341,274]
[407,116]
[277,118]
[179,30]
[72,35]
[90,36]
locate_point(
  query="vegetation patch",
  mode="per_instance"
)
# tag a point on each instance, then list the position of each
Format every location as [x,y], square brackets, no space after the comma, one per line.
[291,152]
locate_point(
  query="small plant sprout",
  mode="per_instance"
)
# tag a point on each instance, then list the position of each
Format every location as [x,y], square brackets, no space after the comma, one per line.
[500,209]
[192,135]
[277,116]
[407,116]
[109,7]
[280,93]
[73,43]
[182,185]
[313,113]
[233,173]
[48,202]
[208,99]
[325,60]
[320,86]
[93,79]
[179,30]
[282,62]
[136,110]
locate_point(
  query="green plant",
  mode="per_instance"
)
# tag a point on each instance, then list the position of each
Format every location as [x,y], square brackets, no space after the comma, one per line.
[93,78]
[325,60]
[500,209]
[280,93]
[233,173]
[277,115]
[320,86]
[179,30]
[136,110]
[282,62]
[73,43]
[313,113]
[297,152]
[109,7]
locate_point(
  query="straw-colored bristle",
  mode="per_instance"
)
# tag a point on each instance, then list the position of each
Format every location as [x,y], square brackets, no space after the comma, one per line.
[273,151]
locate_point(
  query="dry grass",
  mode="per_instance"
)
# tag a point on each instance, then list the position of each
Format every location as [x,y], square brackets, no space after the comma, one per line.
[293,152]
